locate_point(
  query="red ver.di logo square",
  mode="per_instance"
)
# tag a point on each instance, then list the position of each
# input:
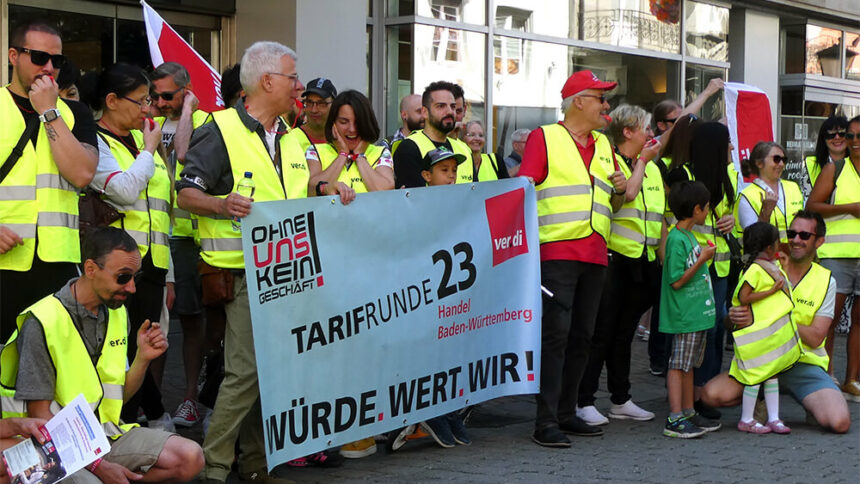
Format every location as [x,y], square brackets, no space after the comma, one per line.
[506,217]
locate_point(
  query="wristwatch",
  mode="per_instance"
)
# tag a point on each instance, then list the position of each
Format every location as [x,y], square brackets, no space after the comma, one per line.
[49,115]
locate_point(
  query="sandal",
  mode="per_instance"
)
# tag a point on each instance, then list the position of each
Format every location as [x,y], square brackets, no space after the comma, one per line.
[753,427]
[778,427]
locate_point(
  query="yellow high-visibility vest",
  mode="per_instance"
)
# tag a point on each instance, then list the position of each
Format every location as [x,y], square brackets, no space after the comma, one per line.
[349,176]
[148,219]
[770,344]
[425,145]
[573,202]
[637,225]
[220,245]
[794,201]
[101,385]
[486,172]
[842,240]
[813,169]
[708,231]
[36,202]
[809,295]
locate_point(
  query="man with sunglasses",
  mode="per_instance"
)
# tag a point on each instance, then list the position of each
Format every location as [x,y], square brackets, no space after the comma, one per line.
[176,106]
[39,244]
[814,294]
[74,342]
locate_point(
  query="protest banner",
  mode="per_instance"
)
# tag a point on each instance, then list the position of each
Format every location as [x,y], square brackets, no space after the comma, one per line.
[749,121]
[165,45]
[399,307]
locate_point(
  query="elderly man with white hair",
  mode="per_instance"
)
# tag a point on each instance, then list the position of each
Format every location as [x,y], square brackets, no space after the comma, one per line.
[249,137]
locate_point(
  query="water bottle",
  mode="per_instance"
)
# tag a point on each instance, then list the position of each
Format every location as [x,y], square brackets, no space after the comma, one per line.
[246,189]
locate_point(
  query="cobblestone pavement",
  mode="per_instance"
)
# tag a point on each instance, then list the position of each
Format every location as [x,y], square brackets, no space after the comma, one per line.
[628,451]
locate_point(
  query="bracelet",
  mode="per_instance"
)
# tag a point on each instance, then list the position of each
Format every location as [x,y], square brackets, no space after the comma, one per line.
[320,186]
[95,465]
[344,154]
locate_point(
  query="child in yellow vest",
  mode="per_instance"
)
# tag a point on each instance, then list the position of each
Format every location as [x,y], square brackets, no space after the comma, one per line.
[763,287]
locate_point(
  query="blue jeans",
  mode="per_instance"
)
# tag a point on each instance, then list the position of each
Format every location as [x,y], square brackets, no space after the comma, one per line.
[713,362]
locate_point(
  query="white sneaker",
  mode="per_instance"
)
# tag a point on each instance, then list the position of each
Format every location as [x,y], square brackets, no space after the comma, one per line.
[629,410]
[591,415]
[165,423]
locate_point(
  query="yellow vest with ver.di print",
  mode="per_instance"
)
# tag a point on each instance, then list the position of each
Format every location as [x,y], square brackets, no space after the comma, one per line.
[573,202]
[486,172]
[755,194]
[349,176]
[148,219]
[809,295]
[220,245]
[842,240]
[637,225]
[426,145]
[36,202]
[101,385]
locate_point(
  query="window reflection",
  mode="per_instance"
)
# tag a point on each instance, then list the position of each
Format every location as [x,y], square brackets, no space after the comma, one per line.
[468,11]
[627,23]
[547,17]
[822,51]
[697,78]
[707,31]
[852,55]
[398,73]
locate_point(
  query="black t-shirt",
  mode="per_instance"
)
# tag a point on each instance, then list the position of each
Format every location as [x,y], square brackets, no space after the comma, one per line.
[128,140]
[84,129]
[408,163]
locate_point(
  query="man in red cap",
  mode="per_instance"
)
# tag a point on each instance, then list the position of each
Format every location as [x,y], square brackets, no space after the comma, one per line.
[578,187]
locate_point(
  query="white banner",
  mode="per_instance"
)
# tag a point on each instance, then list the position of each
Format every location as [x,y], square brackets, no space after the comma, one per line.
[402,306]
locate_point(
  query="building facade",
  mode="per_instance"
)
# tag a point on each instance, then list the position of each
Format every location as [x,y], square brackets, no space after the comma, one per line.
[510,56]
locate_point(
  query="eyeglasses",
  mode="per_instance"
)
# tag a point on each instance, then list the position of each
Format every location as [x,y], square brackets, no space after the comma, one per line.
[778,159]
[803,235]
[851,136]
[474,135]
[601,98]
[294,77]
[41,58]
[123,278]
[317,104]
[141,104]
[167,96]
[831,135]
[670,120]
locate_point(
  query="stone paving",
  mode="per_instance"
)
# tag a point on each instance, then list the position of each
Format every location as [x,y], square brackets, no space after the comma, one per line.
[628,451]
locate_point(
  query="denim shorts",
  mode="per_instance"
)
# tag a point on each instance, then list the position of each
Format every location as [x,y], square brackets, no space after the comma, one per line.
[847,274]
[804,379]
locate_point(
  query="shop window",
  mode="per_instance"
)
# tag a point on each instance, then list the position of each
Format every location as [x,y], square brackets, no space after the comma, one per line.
[823,51]
[707,31]
[697,78]
[628,23]
[468,11]
[546,17]
[852,55]
[399,79]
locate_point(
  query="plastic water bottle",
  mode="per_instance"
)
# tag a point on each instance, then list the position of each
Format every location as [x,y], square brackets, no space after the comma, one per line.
[246,189]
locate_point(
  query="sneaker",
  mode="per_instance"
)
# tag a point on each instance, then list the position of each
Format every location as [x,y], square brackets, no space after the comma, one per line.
[440,430]
[320,459]
[397,438]
[262,476]
[550,437]
[629,410]
[591,415]
[643,333]
[165,423]
[706,411]
[682,429]
[577,426]
[458,429]
[359,448]
[186,414]
[706,424]
[851,390]
[141,415]
[656,371]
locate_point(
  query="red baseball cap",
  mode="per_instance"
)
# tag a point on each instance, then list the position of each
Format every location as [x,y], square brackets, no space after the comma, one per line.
[582,80]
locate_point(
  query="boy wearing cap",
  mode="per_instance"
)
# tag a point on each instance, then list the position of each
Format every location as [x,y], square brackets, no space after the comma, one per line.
[578,187]
[317,98]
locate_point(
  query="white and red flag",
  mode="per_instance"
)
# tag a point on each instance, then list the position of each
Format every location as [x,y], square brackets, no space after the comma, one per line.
[165,45]
[749,119]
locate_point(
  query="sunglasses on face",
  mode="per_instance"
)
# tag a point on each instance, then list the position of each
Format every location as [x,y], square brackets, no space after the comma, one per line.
[851,136]
[670,120]
[831,135]
[778,159]
[41,58]
[794,233]
[167,96]
[124,277]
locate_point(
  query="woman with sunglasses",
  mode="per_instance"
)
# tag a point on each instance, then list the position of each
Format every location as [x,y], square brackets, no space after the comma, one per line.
[768,198]
[350,157]
[484,166]
[830,146]
[133,178]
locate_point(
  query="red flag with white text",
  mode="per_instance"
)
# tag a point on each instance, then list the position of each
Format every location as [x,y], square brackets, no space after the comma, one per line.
[749,119]
[165,45]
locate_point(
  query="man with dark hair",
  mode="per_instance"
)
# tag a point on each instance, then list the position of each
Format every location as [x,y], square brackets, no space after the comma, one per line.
[56,155]
[74,342]
[813,290]
[438,108]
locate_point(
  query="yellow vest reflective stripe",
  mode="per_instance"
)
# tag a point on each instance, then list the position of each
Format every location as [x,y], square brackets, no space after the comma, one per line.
[843,231]
[809,295]
[36,202]
[350,176]
[770,344]
[637,225]
[486,172]
[425,145]
[709,232]
[101,385]
[185,222]
[573,203]
[813,169]
[755,194]
[148,219]
[220,245]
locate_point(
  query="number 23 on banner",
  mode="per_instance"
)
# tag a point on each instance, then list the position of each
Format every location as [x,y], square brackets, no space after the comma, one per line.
[466,266]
